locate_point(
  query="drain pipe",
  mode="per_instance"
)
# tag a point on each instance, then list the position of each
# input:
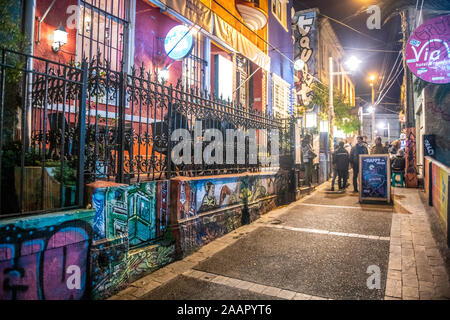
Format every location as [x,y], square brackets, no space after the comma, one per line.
[29,14]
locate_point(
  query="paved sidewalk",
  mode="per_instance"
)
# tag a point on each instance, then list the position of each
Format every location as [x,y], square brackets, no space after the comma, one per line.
[145,285]
[313,249]
[416,267]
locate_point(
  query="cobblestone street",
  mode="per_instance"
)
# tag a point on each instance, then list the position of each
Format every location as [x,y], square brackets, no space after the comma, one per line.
[317,248]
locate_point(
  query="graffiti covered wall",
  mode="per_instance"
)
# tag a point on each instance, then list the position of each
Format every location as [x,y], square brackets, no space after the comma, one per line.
[304,25]
[131,234]
[211,207]
[88,253]
[46,258]
[92,254]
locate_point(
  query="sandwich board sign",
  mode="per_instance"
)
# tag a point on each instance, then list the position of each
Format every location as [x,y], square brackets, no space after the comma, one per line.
[375,178]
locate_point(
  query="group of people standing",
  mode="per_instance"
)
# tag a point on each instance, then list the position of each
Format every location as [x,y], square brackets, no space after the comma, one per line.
[346,156]
[342,159]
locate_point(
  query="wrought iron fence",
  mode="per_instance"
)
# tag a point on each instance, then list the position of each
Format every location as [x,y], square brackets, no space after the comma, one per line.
[86,122]
[41,126]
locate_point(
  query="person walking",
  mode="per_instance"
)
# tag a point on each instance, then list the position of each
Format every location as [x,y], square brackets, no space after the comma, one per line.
[341,161]
[335,173]
[308,157]
[357,150]
[378,148]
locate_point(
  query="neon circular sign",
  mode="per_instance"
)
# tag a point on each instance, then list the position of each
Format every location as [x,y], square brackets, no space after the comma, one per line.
[179,42]
[428,50]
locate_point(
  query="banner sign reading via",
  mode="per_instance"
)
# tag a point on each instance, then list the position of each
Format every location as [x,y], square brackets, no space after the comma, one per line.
[428,50]
[375,177]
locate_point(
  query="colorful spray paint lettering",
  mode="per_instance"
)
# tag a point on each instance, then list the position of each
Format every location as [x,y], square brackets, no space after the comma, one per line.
[45,263]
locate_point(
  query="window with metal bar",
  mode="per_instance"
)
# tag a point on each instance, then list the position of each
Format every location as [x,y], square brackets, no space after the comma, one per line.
[102,30]
[194,66]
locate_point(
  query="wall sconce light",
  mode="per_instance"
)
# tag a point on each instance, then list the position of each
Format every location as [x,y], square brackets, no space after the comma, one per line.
[59,38]
[87,24]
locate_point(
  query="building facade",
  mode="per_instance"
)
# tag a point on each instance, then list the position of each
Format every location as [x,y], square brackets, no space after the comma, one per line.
[315,42]
[281,76]
[107,84]
[387,126]
[231,56]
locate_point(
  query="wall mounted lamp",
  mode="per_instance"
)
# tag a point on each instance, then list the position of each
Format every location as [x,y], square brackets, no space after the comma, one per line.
[59,38]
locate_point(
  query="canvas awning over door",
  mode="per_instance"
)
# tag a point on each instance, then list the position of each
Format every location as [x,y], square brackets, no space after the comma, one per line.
[193,10]
[241,44]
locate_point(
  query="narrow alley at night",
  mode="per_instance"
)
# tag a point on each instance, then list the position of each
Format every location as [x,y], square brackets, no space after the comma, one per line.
[220,156]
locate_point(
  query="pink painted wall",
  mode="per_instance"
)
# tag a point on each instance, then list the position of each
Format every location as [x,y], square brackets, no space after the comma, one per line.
[151,24]
[56,16]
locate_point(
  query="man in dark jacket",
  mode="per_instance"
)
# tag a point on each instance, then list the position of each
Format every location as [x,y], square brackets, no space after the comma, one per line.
[341,161]
[357,150]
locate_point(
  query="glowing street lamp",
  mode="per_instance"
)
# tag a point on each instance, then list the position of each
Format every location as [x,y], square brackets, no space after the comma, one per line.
[299,64]
[353,63]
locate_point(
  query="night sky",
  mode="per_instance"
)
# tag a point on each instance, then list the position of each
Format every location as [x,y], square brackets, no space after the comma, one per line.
[387,38]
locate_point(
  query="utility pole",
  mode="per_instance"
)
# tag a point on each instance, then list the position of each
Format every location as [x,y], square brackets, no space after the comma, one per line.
[411,156]
[331,107]
[372,78]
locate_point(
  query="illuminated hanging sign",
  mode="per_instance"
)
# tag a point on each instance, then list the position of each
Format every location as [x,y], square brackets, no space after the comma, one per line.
[428,51]
[179,42]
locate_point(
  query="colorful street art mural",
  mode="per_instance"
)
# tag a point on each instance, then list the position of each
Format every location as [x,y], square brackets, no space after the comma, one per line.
[437,180]
[211,207]
[411,180]
[88,254]
[93,254]
[137,211]
[131,233]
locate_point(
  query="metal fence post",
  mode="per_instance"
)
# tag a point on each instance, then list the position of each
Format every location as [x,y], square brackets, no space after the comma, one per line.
[82,134]
[169,133]
[121,127]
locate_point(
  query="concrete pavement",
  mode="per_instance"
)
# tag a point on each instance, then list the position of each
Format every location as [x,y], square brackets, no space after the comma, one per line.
[326,246]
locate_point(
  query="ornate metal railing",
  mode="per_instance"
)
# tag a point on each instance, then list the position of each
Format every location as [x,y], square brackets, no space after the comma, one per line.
[131,118]
[84,122]
[41,125]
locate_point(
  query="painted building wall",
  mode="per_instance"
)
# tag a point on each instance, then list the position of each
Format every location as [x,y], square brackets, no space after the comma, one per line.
[208,208]
[306,47]
[87,254]
[437,191]
[151,27]
[394,126]
[437,122]
[281,58]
